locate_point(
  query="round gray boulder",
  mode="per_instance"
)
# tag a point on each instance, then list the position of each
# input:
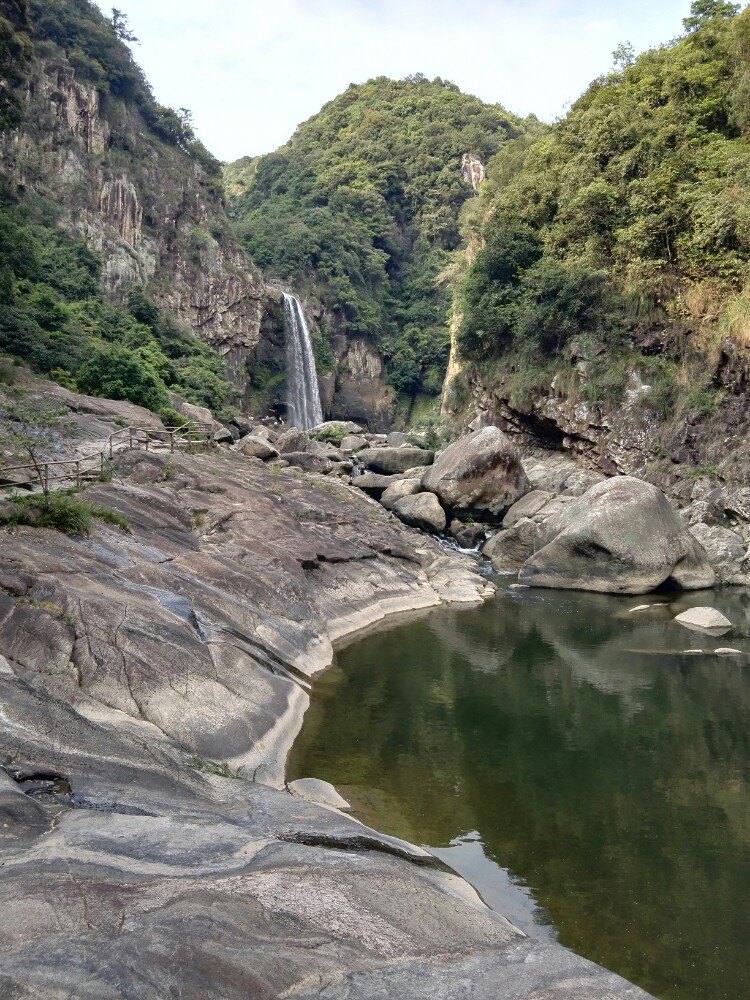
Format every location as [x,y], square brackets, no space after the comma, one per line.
[400,489]
[481,472]
[421,511]
[620,537]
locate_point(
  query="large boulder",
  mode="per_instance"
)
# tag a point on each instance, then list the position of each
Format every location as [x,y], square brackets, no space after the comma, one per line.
[353,442]
[292,440]
[508,550]
[727,552]
[309,462]
[421,511]
[335,430]
[255,447]
[400,489]
[620,537]
[481,472]
[527,506]
[391,461]
[373,484]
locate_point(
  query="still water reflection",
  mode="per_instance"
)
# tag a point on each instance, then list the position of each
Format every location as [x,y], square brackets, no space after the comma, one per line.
[571,760]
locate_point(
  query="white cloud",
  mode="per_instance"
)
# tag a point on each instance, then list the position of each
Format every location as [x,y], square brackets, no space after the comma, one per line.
[252,71]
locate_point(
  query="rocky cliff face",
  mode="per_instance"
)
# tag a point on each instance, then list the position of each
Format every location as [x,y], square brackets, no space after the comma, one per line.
[152,211]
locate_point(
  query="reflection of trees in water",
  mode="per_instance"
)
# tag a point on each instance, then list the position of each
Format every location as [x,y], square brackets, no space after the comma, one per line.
[614,783]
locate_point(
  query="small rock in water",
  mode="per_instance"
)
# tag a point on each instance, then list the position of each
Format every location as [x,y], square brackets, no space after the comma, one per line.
[708,618]
[320,792]
[693,652]
[727,651]
[641,607]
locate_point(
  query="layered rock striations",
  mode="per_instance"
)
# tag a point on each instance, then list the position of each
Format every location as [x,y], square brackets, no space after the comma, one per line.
[151,680]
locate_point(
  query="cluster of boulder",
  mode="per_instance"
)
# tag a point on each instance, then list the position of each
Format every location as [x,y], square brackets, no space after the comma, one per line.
[540,516]
[543,517]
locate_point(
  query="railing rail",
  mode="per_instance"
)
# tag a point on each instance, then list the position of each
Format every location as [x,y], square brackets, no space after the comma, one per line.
[124,439]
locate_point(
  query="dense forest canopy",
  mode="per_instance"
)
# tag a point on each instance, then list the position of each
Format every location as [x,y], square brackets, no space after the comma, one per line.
[52,312]
[627,224]
[362,206]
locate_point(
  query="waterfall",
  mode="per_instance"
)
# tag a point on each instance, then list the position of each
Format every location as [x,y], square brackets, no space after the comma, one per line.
[302,393]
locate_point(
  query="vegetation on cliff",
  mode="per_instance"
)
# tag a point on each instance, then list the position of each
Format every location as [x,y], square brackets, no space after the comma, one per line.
[54,318]
[95,47]
[361,207]
[53,314]
[623,234]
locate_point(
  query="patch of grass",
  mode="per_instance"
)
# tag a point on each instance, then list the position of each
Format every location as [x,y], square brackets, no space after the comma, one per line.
[333,436]
[221,770]
[63,511]
[111,517]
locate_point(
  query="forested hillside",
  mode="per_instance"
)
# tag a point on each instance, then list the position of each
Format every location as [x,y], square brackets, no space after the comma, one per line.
[361,209]
[114,248]
[615,248]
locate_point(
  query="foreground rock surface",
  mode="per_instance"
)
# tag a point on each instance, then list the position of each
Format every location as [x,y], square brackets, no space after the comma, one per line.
[480,472]
[622,536]
[146,678]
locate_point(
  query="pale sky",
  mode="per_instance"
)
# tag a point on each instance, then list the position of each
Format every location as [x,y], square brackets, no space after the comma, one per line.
[252,70]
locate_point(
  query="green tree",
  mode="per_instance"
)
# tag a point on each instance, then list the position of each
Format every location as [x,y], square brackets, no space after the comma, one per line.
[703,11]
[28,427]
[122,28]
[15,57]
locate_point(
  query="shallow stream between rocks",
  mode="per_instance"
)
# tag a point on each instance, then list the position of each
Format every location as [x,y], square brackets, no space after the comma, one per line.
[567,756]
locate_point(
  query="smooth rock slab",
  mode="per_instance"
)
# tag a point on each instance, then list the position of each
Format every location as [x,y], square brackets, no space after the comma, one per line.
[320,792]
[708,618]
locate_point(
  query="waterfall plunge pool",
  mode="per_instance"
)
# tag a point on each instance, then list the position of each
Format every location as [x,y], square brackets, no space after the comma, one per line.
[566,756]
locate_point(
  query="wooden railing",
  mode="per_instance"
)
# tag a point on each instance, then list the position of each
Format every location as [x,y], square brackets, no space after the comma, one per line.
[94,466]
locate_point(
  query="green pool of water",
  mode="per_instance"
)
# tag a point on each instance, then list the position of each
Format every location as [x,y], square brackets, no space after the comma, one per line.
[586,774]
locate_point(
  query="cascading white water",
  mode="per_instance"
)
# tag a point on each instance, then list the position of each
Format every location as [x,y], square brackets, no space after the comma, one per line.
[302,393]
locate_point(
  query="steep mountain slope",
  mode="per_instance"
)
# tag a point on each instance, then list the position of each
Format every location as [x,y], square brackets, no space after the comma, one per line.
[110,202]
[359,211]
[607,303]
